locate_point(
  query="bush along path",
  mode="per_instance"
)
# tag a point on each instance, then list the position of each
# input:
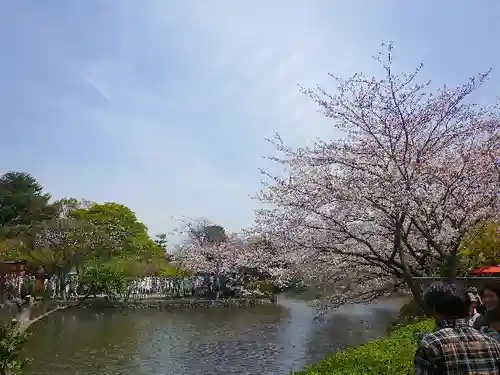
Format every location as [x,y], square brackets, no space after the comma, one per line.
[391,355]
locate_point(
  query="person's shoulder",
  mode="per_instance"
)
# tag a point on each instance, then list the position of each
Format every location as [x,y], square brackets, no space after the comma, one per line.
[450,334]
[428,336]
[436,342]
[431,339]
[489,338]
[492,344]
[480,321]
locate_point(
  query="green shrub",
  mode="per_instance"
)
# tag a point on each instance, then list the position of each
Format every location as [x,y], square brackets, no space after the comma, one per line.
[12,341]
[392,355]
[409,313]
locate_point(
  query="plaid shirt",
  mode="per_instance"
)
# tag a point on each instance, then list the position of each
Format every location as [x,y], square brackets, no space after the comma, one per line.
[490,332]
[456,349]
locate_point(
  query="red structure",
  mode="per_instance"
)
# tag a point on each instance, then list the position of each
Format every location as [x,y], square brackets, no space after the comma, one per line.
[486,270]
[20,268]
[40,277]
[16,267]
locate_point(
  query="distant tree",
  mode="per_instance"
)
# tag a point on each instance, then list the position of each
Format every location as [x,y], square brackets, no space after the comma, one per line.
[161,240]
[22,201]
[115,278]
[202,232]
[121,224]
[238,257]
[214,234]
[62,245]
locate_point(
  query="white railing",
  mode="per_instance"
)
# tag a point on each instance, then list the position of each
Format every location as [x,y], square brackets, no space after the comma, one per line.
[148,287]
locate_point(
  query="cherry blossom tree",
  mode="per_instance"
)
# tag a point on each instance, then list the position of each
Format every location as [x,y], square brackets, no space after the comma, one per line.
[392,197]
[233,256]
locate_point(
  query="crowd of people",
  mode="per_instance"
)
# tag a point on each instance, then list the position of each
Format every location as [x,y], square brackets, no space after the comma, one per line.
[467,338]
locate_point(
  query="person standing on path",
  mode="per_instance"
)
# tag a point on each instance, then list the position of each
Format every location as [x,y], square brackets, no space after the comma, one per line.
[490,294]
[479,305]
[473,315]
[455,348]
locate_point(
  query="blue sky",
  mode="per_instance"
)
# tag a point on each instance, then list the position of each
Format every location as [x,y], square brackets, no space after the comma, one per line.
[164,105]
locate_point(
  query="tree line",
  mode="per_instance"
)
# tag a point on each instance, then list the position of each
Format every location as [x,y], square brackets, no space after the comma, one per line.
[103,243]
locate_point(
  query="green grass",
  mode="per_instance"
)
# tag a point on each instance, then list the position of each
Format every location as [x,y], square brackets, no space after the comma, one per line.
[391,355]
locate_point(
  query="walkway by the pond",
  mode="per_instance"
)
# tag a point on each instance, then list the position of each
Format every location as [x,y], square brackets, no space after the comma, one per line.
[273,339]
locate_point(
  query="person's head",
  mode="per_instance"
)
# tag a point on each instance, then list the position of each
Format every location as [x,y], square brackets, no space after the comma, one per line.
[446,300]
[473,290]
[474,300]
[490,294]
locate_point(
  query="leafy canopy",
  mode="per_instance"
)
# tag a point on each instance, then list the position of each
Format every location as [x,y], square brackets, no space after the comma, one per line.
[122,225]
[481,246]
[22,201]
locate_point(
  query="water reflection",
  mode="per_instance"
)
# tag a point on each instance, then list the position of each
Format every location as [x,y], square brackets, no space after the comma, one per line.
[212,341]
[349,326]
[261,340]
[82,342]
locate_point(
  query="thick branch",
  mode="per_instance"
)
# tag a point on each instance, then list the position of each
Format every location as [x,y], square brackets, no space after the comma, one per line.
[24,319]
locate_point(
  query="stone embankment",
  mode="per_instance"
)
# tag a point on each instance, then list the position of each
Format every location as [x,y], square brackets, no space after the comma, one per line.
[159,303]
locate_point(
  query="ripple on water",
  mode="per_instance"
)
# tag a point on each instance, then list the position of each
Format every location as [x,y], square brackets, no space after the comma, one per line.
[261,340]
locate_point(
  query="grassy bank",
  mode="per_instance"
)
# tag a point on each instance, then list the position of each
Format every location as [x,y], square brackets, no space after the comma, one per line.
[391,355]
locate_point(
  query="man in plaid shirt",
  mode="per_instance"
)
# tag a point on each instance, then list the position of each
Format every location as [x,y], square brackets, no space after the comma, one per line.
[455,348]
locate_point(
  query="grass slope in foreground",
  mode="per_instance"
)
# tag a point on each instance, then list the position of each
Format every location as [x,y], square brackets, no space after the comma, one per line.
[391,355]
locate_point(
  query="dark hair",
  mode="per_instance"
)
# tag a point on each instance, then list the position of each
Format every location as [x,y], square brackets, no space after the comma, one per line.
[447,300]
[495,288]
[473,290]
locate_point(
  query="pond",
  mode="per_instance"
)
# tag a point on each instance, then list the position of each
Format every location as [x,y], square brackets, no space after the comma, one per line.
[274,339]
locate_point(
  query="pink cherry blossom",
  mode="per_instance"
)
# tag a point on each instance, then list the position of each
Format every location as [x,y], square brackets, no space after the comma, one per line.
[233,255]
[391,198]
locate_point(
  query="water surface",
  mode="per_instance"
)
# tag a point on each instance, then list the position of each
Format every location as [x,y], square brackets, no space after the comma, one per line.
[261,340]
